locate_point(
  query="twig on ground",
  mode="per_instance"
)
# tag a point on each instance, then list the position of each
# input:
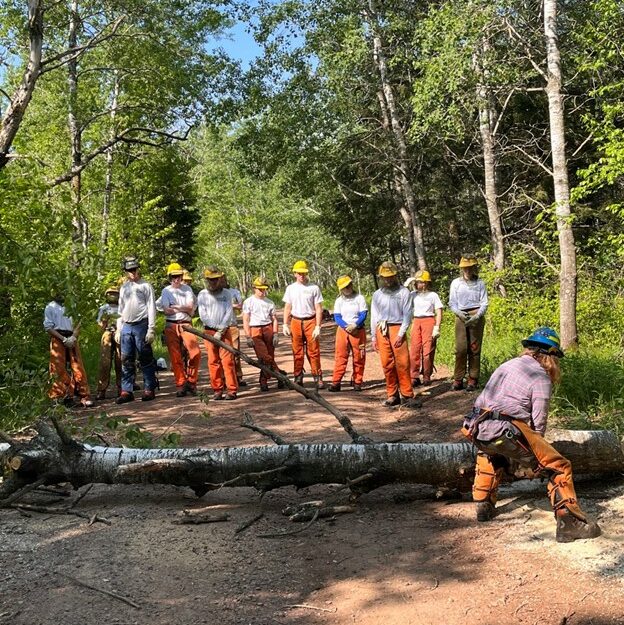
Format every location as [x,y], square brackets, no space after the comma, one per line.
[106,443]
[182,413]
[522,605]
[305,606]
[82,515]
[103,591]
[197,519]
[52,490]
[74,503]
[248,423]
[5,503]
[292,532]
[436,583]
[243,526]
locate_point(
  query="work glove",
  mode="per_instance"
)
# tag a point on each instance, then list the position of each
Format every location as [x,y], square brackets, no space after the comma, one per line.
[383,327]
[275,339]
[316,333]
[351,328]
[118,337]
[409,282]
[217,335]
[471,320]
[436,332]
[286,330]
[69,341]
[250,342]
[149,336]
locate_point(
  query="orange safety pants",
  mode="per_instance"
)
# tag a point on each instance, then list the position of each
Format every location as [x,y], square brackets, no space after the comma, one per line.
[303,344]
[177,341]
[539,455]
[345,343]
[395,362]
[262,337]
[110,352]
[64,384]
[236,344]
[221,364]
[422,347]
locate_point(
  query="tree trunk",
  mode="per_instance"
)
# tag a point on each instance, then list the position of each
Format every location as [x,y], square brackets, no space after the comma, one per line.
[486,116]
[567,249]
[399,137]
[55,457]
[19,102]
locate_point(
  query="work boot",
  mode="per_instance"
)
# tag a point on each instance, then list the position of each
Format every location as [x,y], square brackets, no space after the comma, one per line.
[101,395]
[190,389]
[148,395]
[242,382]
[426,382]
[264,387]
[415,382]
[334,388]
[298,379]
[232,396]
[218,396]
[86,402]
[124,397]
[410,402]
[281,384]
[485,511]
[458,385]
[392,401]
[181,392]
[471,385]
[570,528]
[318,382]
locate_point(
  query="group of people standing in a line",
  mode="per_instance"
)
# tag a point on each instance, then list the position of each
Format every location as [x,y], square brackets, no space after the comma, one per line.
[128,320]
[506,424]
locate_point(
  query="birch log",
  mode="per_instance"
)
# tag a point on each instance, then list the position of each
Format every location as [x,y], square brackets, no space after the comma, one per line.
[269,467]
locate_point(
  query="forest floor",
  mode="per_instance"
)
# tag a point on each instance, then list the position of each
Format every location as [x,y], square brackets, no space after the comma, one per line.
[402,558]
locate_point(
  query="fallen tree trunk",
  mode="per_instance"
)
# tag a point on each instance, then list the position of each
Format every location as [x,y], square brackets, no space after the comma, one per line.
[52,457]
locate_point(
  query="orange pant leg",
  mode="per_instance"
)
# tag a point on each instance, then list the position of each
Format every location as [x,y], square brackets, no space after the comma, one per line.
[298,342]
[107,353]
[61,379]
[358,348]
[415,348]
[214,364]
[386,355]
[235,332]
[427,347]
[263,346]
[193,352]
[401,362]
[174,346]
[313,347]
[488,474]
[228,363]
[341,355]
[558,469]
[79,373]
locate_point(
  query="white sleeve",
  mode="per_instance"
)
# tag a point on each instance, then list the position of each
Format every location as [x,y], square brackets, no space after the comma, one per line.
[48,320]
[151,308]
[437,302]
[287,299]
[318,296]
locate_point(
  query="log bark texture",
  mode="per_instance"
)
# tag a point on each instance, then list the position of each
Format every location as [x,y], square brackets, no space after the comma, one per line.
[269,467]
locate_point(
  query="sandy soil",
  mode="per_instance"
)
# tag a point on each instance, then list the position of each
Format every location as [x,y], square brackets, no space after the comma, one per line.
[402,558]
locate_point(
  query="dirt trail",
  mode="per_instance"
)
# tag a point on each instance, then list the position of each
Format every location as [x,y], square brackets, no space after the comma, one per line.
[400,559]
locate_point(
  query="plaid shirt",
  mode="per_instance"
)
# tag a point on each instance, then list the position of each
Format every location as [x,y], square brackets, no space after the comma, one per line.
[519,388]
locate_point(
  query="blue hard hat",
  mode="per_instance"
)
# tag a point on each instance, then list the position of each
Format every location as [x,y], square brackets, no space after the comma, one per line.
[546,340]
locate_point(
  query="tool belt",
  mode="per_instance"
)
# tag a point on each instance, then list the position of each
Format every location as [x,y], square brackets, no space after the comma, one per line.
[477,416]
[262,326]
[304,318]
[65,333]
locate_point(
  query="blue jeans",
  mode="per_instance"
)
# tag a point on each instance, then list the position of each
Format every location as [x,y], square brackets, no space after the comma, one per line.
[133,342]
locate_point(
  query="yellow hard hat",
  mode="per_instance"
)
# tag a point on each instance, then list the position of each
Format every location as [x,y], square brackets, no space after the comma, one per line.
[187,276]
[175,269]
[422,276]
[300,267]
[212,272]
[260,283]
[343,282]
[387,269]
[111,289]
[468,261]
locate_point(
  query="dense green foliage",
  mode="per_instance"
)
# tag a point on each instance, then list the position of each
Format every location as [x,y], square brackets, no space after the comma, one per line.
[185,156]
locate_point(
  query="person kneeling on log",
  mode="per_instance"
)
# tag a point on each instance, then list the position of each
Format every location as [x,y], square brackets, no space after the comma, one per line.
[508,422]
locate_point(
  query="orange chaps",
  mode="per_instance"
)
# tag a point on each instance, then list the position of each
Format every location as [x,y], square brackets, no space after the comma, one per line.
[177,341]
[395,362]
[303,344]
[345,343]
[110,352]
[221,364]
[533,450]
[262,337]
[422,347]
[63,384]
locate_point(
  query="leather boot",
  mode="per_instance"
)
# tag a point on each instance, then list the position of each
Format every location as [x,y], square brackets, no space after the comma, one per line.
[485,511]
[570,528]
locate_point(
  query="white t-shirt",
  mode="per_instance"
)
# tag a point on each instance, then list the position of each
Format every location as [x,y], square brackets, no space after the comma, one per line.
[260,310]
[303,298]
[182,296]
[54,318]
[393,306]
[426,304]
[349,308]
[136,302]
[215,309]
